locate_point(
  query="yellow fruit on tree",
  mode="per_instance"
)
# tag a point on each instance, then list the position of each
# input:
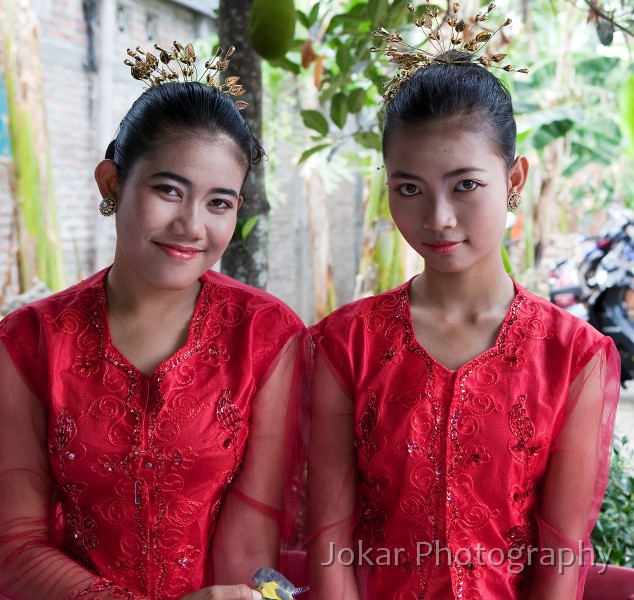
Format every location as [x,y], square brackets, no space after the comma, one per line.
[272,27]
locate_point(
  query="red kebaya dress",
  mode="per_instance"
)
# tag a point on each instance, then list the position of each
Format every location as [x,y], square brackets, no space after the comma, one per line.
[128,474]
[451,467]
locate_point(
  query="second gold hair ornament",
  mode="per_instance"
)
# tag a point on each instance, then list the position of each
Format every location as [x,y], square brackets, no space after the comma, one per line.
[179,64]
[462,38]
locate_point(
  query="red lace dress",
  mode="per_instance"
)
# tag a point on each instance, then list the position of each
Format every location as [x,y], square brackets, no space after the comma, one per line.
[115,482]
[427,483]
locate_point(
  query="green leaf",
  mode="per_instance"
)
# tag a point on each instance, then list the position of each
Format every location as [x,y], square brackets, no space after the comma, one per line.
[356,100]
[377,11]
[314,13]
[344,58]
[247,227]
[627,110]
[537,118]
[303,19]
[311,151]
[339,109]
[286,64]
[546,134]
[595,69]
[368,139]
[355,16]
[313,119]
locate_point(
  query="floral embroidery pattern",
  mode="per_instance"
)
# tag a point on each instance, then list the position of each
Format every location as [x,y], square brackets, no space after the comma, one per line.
[476,456]
[215,354]
[436,480]
[514,357]
[521,536]
[523,430]
[373,515]
[124,447]
[374,520]
[186,557]
[230,417]
[369,420]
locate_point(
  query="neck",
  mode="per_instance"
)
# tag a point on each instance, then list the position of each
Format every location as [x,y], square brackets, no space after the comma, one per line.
[129,297]
[467,292]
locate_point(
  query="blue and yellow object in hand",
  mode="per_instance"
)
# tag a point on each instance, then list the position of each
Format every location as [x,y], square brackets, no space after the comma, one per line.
[274,586]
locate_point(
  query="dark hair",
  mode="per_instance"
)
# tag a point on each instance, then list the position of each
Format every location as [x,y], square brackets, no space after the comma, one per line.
[177,107]
[460,90]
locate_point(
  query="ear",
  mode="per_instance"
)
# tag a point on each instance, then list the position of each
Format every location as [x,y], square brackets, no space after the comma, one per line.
[518,174]
[240,201]
[107,178]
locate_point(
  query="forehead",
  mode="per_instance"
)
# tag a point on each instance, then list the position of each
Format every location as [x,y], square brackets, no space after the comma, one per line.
[445,144]
[199,154]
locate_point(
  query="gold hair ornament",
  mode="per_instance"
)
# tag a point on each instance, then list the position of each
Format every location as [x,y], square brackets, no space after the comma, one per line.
[411,59]
[157,71]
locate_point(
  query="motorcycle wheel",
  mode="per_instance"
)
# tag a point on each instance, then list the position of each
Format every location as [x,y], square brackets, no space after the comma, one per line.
[609,315]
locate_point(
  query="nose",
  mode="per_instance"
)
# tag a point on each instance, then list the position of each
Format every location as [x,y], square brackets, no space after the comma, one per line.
[439,215]
[188,221]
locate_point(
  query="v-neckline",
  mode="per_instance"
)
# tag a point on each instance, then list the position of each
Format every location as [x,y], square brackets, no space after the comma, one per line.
[497,347]
[119,359]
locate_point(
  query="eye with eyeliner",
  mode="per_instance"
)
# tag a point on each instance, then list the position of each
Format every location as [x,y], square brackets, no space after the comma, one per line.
[220,203]
[474,185]
[408,189]
[168,190]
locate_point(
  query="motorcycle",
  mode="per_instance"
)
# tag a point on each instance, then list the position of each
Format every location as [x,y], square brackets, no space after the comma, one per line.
[599,288]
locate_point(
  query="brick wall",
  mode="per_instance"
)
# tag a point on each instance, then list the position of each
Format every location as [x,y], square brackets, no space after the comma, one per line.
[74,107]
[81,121]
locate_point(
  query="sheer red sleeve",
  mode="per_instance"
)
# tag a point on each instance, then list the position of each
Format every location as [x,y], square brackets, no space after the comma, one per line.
[31,566]
[576,477]
[263,501]
[332,479]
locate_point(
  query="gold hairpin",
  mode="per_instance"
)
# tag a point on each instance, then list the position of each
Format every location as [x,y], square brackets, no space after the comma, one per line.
[463,39]
[157,71]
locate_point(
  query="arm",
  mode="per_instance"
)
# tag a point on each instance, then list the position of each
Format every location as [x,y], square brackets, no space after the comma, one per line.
[331,487]
[30,565]
[576,479]
[249,527]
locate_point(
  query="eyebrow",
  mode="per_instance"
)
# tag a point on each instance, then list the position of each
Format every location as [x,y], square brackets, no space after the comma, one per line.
[188,183]
[460,171]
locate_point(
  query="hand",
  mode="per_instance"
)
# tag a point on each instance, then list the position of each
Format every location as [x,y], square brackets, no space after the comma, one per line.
[224,592]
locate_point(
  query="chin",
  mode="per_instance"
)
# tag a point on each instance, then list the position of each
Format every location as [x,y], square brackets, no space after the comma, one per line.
[175,282]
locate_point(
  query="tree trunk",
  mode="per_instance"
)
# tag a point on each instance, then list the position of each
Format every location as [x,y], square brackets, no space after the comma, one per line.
[247,259]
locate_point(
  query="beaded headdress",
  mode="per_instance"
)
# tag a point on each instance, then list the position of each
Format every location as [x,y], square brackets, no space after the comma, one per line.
[179,64]
[463,40]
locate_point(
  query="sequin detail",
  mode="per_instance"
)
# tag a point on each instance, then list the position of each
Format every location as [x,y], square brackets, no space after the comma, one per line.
[439,474]
[131,454]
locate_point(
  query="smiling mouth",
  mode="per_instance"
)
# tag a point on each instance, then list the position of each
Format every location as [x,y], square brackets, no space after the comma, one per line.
[442,247]
[179,252]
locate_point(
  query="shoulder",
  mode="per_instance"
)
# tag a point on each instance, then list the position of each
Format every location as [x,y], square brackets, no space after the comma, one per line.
[256,302]
[566,333]
[565,323]
[370,311]
[54,304]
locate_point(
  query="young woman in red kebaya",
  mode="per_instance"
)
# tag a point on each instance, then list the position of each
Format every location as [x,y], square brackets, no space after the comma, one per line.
[148,414]
[462,425]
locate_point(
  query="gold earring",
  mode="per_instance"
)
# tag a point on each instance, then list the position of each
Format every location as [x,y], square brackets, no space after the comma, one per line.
[514,201]
[108,206]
